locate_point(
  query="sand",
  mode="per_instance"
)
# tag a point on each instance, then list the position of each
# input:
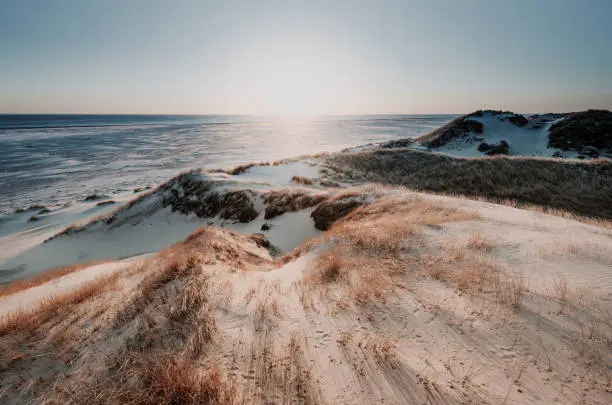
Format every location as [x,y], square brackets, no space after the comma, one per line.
[282,339]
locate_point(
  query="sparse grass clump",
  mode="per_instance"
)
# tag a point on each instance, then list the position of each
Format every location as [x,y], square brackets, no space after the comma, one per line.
[512,291]
[152,380]
[561,291]
[303,248]
[380,346]
[476,276]
[301,180]
[175,266]
[479,242]
[328,268]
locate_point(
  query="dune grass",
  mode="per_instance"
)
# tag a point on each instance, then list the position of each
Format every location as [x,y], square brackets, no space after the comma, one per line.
[579,187]
[374,244]
[49,275]
[54,308]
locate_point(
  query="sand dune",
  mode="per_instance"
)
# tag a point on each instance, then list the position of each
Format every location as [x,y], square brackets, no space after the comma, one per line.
[411,298]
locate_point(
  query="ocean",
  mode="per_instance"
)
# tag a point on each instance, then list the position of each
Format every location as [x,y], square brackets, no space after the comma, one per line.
[53,160]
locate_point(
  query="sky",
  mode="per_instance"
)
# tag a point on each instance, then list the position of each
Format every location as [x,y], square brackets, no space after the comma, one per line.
[304,57]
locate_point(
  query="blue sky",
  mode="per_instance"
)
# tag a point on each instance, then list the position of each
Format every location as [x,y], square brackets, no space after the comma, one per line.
[307,57]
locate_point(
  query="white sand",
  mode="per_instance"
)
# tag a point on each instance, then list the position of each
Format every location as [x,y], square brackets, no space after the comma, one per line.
[280,175]
[523,141]
[145,227]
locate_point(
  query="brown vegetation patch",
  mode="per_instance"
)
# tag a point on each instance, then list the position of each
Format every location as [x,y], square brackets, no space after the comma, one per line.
[163,379]
[377,243]
[280,202]
[238,206]
[241,169]
[158,363]
[478,277]
[333,209]
[222,245]
[162,334]
[329,267]
[149,346]
[411,209]
[458,128]
[380,346]
[301,180]
[173,266]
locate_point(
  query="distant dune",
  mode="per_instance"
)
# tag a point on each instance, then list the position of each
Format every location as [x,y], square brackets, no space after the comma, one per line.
[586,134]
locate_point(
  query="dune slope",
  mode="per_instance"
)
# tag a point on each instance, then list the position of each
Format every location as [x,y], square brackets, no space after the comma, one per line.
[409,298]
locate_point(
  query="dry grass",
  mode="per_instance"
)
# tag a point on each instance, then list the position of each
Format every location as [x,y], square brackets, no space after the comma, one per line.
[597,252]
[303,248]
[586,189]
[374,245]
[384,227]
[561,291]
[164,379]
[301,180]
[241,169]
[174,266]
[148,379]
[24,284]
[476,276]
[481,243]
[344,338]
[573,250]
[373,280]
[280,202]
[165,331]
[591,220]
[185,260]
[382,347]
[483,281]
[54,308]
[512,291]
[457,128]
[328,268]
